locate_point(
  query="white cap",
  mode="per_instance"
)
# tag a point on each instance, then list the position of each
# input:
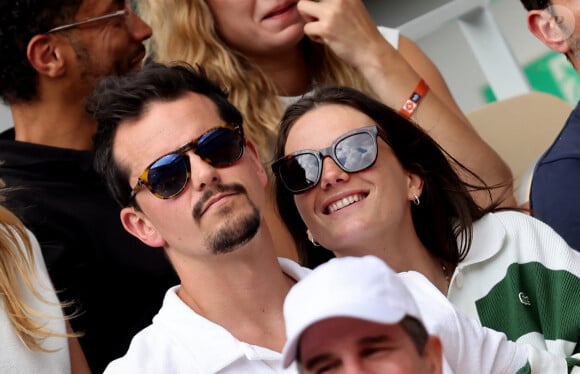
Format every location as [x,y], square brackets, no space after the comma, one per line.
[357,287]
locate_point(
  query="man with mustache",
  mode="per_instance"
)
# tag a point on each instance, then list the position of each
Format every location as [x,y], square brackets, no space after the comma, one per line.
[52,55]
[173,152]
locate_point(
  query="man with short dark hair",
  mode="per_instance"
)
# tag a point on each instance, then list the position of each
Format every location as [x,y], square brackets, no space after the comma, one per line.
[52,53]
[553,196]
[173,152]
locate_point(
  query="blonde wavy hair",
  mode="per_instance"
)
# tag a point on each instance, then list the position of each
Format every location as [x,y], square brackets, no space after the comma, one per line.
[184,30]
[17,268]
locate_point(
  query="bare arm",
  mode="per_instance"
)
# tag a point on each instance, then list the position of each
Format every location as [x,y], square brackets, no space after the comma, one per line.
[78,362]
[393,74]
[453,130]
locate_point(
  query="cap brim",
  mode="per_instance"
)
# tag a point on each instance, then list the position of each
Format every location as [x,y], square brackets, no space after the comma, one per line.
[380,312]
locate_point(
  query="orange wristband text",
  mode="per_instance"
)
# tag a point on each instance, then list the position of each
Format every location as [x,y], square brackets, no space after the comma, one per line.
[414,100]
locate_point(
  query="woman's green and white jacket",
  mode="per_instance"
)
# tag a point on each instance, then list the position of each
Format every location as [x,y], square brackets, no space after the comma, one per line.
[520,277]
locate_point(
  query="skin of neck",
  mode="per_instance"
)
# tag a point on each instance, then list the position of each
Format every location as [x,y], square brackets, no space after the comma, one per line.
[56,118]
[243,291]
[287,70]
[402,252]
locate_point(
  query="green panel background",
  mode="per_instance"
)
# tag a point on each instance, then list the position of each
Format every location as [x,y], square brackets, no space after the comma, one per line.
[550,73]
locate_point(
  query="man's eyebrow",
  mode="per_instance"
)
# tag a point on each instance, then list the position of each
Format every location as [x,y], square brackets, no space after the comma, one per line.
[374,339]
[313,361]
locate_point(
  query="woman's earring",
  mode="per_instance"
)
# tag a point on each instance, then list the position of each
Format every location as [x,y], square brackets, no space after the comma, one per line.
[416,201]
[311,238]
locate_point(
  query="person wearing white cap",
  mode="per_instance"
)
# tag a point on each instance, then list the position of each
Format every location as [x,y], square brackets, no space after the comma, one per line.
[354,315]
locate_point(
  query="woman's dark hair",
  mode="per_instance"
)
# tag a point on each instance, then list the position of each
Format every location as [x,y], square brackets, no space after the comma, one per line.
[447,208]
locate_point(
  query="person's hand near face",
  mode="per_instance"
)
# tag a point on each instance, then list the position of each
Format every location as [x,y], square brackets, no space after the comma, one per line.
[343,25]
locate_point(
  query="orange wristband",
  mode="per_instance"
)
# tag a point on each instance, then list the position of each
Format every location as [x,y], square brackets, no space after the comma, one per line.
[414,100]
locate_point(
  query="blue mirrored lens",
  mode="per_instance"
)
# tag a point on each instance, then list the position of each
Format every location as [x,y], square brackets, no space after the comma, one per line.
[169,175]
[221,147]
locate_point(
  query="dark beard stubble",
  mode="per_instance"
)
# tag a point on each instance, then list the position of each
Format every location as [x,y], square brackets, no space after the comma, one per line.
[234,232]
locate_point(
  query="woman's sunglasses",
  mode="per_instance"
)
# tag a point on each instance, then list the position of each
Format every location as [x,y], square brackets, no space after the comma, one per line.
[353,151]
[167,176]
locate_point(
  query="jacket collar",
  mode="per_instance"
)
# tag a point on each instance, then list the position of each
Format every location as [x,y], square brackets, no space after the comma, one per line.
[487,240]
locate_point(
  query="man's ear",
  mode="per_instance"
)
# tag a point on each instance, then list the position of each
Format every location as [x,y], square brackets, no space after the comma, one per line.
[253,151]
[139,226]
[46,54]
[433,353]
[552,30]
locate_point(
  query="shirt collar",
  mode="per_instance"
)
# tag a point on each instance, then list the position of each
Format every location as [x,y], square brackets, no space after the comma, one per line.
[487,240]
[219,348]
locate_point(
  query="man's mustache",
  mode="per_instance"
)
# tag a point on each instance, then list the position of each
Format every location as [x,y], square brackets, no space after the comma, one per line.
[207,194]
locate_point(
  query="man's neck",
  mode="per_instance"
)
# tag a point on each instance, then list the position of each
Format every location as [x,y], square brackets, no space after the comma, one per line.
[243,292]
[53,123]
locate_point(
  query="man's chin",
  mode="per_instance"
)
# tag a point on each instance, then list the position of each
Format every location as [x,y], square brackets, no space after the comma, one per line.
[236,234]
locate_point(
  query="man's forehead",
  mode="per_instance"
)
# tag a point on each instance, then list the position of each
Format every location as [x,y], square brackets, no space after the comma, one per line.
[165,125]
[195,110]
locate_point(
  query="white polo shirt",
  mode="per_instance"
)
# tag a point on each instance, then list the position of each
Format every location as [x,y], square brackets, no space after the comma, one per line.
[182,341]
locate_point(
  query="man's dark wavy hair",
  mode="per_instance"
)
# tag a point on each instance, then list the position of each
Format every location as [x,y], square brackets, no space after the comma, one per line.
[123,98]
[535,4]
[20,20]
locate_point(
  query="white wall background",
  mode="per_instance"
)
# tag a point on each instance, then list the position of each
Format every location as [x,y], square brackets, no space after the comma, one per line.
[446,46]
[450,51]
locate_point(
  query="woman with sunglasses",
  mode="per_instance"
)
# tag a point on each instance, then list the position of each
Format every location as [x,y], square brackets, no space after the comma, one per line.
[269,53]
[359,179]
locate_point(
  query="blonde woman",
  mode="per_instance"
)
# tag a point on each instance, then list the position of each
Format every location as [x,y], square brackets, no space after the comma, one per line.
[266,53]
[33,330]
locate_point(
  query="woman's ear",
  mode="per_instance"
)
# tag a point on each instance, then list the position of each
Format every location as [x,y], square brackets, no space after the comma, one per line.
[46,55]
[552,27]
[414,186]
[139,226]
